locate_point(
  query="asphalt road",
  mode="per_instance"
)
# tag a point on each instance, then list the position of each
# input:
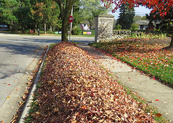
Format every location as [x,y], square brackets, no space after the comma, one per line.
[18,57]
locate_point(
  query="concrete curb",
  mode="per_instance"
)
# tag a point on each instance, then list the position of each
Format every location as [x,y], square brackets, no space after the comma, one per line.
[30,97]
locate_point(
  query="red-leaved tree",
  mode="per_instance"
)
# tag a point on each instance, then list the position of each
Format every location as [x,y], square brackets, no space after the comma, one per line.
[162,7]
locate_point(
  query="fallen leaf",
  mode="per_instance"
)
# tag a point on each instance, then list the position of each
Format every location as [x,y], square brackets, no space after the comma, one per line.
[158,115]
[156,99]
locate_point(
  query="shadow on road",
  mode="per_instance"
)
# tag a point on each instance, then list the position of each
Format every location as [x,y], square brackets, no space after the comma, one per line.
[20,48]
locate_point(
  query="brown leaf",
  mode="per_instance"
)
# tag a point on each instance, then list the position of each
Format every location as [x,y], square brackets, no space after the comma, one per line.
[158,115]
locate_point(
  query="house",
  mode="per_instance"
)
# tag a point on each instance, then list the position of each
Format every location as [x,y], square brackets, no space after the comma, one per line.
[143,24]
[84,26]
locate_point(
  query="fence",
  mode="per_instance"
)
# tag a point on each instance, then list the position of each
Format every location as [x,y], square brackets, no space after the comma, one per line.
[139,32]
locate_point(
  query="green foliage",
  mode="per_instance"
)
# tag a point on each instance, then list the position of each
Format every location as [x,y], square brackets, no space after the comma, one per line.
[118,27]
[38,12]
[134,26]
[136,18]
[90,9]
[77,15]
[7,9]
[126,16]
[24,17]
[26,14]
[143,18]
[77,30]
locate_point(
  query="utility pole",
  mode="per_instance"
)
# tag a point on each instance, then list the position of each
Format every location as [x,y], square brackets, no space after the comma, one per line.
[71,22]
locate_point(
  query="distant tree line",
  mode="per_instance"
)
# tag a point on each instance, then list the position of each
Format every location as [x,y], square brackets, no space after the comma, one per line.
[29,14]
[47,14]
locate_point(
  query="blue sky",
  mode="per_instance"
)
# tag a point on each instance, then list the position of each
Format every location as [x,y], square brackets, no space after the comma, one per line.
[141,11]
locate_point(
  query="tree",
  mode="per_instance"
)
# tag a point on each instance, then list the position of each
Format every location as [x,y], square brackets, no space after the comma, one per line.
[77,14]
[143,18]
[118,27]
[65,11]
[23,14]
[136,18]
[37,13]
[91,9]
[7,8]
[45,12]
[126,16]
[53,15]
[165,22]
[162,7]
[50,13]
[134,26]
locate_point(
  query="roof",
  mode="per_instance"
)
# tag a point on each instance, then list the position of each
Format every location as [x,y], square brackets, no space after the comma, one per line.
[106,15]
[142,22]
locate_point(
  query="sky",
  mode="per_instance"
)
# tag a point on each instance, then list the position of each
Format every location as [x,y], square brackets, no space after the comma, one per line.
[141,11]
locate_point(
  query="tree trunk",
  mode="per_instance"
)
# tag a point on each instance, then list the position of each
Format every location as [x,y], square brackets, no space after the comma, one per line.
[11,25]
[35,29]
[171,44]
[64,36]
[51,29]
[44,28]
[65,14]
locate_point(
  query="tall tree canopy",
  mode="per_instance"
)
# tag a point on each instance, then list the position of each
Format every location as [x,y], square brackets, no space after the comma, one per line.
[162,6]
[126,16]
[46,12]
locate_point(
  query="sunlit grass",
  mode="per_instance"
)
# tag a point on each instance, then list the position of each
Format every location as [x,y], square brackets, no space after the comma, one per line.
[150,58]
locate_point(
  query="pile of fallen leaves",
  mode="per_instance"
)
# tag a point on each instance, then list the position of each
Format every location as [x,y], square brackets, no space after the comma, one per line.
[76,89]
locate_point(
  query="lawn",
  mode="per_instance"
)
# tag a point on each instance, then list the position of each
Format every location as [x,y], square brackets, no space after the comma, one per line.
[147,57]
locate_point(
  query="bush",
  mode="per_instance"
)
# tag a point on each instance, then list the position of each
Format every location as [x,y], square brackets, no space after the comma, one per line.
[77,31]
[134,26]
[118,27]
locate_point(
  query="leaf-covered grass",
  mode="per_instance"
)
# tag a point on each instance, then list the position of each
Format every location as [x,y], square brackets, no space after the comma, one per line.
[150,58]
[76,89]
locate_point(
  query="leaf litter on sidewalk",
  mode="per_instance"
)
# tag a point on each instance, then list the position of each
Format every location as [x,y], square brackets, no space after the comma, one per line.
[73,88]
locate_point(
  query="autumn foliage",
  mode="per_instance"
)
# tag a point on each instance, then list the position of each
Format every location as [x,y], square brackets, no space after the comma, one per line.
[162,6]
[73,88]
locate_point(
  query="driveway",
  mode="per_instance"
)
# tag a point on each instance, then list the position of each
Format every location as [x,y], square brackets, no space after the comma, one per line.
[18,58]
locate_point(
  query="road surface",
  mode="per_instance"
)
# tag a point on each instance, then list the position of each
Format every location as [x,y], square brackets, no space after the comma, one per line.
[18,58]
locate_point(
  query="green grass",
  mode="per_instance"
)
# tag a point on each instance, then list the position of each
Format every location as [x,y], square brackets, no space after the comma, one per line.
[149,58]
[34,108]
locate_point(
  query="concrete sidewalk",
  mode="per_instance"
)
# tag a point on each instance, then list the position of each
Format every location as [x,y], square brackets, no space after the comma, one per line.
[153,91]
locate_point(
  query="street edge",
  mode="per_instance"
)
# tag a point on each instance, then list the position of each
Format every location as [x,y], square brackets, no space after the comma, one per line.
[30,97]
